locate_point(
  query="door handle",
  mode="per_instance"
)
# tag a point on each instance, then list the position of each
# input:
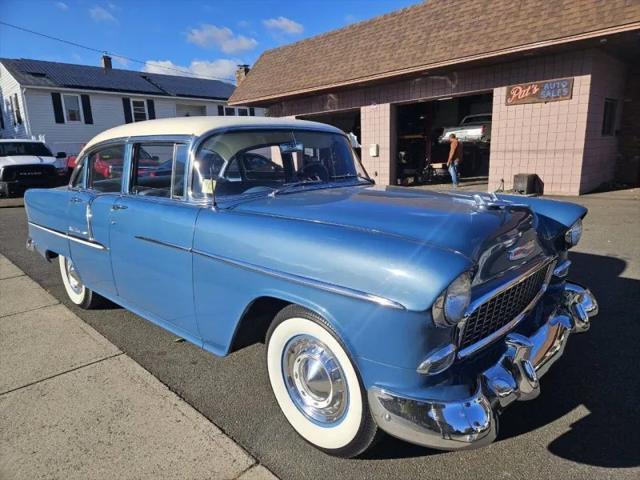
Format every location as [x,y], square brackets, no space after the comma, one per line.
[119,207]
[76,200]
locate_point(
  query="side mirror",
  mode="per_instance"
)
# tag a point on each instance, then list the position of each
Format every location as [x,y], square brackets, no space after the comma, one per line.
[61,155]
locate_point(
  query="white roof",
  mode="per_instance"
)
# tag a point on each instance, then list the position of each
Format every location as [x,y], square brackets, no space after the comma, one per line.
[22,140]
[199,125]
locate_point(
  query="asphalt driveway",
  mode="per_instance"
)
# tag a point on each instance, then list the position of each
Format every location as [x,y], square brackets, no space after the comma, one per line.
[585,424]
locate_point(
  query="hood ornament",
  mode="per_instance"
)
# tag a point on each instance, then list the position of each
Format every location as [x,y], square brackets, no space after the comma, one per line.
[491,201]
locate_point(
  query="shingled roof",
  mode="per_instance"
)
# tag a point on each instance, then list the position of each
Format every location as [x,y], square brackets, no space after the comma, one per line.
[38,73]
[433,34]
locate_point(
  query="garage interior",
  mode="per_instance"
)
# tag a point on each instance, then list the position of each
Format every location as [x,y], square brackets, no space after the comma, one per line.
[422,151]
[348,121]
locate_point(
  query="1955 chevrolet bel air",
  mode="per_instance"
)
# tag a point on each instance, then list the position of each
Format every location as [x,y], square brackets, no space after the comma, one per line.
[416,313]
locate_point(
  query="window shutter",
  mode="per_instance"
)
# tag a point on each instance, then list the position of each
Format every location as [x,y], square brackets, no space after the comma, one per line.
[126,105]
[18,114]
[86,109]
[57,107]
[1,118]
[151,109]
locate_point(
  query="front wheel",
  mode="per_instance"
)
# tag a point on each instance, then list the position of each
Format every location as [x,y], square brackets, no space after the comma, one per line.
[316,384]
[76,291]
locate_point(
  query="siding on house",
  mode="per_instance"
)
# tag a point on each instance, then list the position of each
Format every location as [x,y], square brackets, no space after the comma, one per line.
[10,89]
[107,112]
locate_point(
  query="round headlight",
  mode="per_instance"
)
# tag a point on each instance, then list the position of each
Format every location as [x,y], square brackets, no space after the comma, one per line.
[572,236]
[450,307]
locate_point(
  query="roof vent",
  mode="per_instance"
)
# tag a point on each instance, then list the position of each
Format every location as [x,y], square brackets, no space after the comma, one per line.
[106,62]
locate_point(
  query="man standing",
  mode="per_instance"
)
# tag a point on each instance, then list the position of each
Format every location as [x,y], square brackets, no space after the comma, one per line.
[455,157]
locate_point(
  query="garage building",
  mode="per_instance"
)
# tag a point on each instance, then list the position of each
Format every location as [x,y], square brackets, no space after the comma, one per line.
[552,89]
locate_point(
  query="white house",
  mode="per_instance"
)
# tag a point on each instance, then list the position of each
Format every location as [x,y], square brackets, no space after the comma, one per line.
[65,105]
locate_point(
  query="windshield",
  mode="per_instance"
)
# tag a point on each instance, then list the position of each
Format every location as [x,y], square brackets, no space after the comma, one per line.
[24,148]
[247,162]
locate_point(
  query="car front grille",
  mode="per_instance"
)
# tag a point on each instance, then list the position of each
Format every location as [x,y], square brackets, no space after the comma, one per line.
[501,309]
[27,173]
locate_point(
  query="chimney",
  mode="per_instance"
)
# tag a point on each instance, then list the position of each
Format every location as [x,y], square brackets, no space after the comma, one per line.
[241,72]
[106,62]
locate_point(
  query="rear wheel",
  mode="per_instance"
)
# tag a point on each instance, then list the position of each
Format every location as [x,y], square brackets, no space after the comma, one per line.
[316,384]
[76,291]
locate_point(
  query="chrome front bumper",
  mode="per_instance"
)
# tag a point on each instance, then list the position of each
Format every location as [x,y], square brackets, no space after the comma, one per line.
[472,422]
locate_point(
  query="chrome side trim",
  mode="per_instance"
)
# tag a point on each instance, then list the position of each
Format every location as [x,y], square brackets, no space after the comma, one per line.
[345,291]
[163,243]
[465,352]
[68,236]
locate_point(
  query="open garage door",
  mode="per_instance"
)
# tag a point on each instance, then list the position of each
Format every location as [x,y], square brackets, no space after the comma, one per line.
[423,129]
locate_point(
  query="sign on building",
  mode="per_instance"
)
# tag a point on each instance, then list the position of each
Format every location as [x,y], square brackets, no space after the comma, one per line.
[540,92]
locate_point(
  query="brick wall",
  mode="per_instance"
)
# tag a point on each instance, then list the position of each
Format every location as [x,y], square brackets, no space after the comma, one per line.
[378,128]
[543,138]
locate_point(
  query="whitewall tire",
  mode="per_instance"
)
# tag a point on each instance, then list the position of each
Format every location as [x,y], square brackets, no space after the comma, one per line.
[76,291]
[316,385]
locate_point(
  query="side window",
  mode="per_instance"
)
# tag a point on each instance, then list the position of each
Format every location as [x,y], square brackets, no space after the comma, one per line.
[154,171]
[179,169]
[105,169]
[77,177]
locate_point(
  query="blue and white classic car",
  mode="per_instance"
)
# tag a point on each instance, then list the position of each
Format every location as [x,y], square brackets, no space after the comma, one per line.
[416,313]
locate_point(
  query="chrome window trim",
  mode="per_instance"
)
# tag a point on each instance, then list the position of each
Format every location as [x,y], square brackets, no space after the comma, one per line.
[88,243]
[549,264]
[198,141]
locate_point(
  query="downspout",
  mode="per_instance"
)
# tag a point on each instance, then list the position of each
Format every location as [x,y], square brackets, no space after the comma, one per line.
[26,120]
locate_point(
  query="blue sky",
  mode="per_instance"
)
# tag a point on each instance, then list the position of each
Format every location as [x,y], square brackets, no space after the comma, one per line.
[206,38]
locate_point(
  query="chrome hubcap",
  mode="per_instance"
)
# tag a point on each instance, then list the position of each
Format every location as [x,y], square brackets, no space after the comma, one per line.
[72,276]
[315,382]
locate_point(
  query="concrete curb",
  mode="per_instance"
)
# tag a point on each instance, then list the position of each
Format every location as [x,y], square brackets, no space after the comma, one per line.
[72,405]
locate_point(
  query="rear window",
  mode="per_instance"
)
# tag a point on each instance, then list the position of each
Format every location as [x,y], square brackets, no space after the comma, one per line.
[8,149]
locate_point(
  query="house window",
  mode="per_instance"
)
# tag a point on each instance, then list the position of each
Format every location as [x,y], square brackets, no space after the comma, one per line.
[252,112]
[609,117]
[220,110]
[139,109]
[243,112]
[72,110]
[15,106]
[229,111]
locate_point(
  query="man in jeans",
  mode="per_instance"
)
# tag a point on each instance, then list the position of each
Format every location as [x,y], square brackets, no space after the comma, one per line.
[455,157]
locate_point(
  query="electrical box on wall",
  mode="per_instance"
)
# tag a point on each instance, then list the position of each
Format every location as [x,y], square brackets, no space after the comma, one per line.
[373,150]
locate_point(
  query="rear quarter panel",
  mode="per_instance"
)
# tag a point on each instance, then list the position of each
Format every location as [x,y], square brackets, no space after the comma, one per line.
[48,208]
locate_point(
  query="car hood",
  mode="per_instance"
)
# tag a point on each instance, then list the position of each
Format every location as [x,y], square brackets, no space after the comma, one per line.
[450,221]
[26,160]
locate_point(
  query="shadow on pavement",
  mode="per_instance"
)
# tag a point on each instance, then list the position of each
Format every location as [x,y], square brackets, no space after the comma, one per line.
[598,372]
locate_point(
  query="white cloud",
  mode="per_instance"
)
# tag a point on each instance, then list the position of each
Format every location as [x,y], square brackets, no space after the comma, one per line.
[62,6]
[122,61]
[222,68]
[244,24]
[283,25]
[208,36]
[99,14]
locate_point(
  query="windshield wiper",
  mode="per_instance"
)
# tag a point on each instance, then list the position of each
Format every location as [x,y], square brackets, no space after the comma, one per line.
[289,186]
[352,175]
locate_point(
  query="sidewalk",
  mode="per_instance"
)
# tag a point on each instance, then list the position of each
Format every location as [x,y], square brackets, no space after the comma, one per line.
[72,406]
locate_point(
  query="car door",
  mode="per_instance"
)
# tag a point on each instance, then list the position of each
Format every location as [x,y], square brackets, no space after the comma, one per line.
[91,197]
[151,237]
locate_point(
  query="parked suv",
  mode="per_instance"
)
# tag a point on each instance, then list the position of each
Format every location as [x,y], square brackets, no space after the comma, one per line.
[28,164]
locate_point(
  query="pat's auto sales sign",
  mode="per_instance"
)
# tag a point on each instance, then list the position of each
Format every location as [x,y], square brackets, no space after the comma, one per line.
[540,92]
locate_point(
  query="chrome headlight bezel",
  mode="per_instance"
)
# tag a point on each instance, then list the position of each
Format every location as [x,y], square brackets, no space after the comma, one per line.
[574,234]
[451,305]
